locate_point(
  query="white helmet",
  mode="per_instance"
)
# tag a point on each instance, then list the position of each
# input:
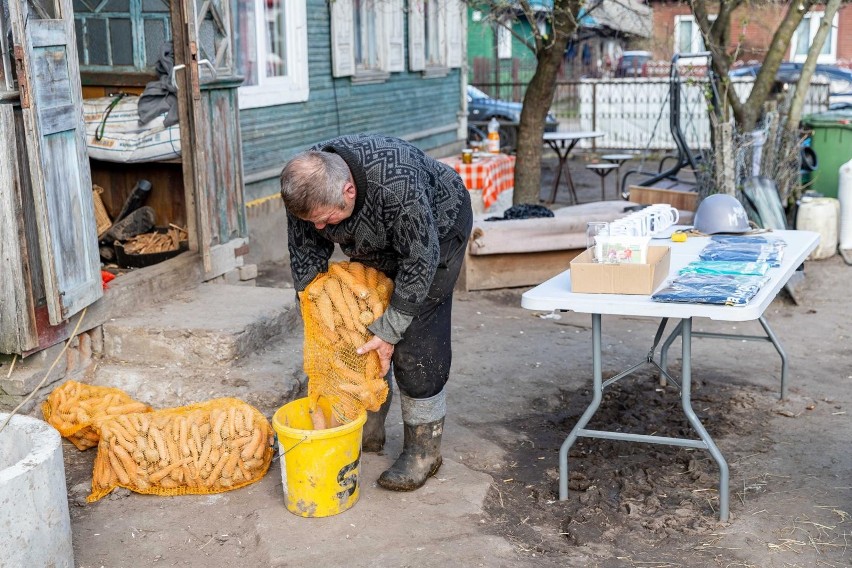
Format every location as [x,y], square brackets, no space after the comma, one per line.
[720,213]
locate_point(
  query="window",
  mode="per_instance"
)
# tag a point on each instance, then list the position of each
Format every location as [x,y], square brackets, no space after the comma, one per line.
[804,37]
[687,35]
[366,39]
[122,34]
[272,52]
[504,40]
[435,35]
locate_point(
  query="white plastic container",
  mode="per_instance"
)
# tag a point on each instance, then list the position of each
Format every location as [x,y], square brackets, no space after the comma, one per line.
[844,195]
[821,216]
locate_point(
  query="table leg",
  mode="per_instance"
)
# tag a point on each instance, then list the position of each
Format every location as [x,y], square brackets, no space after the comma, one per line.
[685,393]
[597,395]
[770,337]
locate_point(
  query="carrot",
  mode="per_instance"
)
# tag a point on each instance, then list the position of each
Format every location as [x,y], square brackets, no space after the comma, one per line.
[205,452]
[228,470]
[183,434]
[118,469]
[217,469]
[318,419]
[326,310]
[160,444]
[126,460]
[346,277]
[250,448]
[262,447]
[128,408]
[366,317]
[371,277]
[166,471]
[335,293]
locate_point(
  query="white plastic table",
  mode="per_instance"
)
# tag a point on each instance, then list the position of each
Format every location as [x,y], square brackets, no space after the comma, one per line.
[562,143]
[555,294]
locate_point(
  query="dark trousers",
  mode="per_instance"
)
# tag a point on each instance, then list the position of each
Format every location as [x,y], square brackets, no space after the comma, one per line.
[421,360]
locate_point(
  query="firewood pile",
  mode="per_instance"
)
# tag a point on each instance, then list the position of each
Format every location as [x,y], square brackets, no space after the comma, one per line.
[157,242]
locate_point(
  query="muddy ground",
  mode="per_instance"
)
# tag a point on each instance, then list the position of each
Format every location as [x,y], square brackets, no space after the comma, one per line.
[520,380]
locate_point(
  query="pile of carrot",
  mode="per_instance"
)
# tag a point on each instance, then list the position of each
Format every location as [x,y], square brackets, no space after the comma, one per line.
[341,304]
[205,448]
[77,410]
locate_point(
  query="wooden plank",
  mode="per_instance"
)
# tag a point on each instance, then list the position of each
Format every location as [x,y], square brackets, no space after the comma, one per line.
[12,292]
[488,272]
[677,198]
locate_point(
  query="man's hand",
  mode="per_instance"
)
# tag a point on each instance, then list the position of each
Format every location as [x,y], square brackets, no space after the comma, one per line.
[383,348]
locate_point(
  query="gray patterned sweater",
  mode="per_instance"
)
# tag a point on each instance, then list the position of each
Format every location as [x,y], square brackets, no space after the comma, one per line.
[407,203]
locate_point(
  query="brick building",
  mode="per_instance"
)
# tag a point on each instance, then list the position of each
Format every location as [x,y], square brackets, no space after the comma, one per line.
[676,31]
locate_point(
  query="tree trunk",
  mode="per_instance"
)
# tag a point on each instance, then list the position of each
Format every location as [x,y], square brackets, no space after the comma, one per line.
[537,101]
[809,66]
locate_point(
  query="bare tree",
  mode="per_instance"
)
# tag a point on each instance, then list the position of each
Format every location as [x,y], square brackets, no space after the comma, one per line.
[724,52]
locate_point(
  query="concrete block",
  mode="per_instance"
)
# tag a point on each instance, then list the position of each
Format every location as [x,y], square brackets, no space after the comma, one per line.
[211,324]
[30,371]
[36,524]
[248,272]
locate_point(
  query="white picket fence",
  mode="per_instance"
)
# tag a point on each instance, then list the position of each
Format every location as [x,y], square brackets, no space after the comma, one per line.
[634,113]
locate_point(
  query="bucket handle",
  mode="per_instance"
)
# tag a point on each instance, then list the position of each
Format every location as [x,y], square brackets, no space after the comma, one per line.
[278,445]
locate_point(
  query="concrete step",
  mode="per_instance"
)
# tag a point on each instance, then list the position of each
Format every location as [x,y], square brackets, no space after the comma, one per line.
[211,324]
[266,380]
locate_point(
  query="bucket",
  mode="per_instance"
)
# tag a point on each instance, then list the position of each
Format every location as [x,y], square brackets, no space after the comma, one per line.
[319,468]
[821,216]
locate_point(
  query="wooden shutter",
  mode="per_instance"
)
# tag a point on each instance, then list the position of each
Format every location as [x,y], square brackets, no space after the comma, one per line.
[49,77]
[455,13]
[416,36]
[342,34]
[395,33]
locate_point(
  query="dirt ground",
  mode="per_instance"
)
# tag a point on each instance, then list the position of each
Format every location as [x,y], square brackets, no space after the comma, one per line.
[520,381]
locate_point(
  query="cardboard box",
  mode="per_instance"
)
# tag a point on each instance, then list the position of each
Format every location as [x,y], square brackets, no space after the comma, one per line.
[588,277]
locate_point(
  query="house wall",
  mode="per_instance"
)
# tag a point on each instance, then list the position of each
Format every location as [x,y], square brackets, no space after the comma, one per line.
[751,27]
[481,54]
[425,111]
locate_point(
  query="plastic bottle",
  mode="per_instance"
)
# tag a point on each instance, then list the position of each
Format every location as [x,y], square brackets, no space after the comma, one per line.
[494,136]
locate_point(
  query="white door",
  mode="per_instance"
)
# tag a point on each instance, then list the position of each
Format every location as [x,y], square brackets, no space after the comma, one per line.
[49,82]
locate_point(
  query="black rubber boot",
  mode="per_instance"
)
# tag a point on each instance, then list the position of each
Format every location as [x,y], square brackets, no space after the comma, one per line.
[423,424]
[373,437]
[420,458]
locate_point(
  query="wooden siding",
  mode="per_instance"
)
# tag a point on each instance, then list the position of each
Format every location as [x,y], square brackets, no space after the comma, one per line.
[405,104]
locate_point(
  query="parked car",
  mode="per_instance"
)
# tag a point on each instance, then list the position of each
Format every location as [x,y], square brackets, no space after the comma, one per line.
[633,64]
[839,79]
[481,108]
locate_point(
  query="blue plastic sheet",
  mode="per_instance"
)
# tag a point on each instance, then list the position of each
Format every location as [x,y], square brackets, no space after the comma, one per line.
[721,289]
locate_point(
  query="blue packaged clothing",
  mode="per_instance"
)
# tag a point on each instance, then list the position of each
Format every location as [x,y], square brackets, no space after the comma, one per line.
[739,248]
[722,289]
[725,267]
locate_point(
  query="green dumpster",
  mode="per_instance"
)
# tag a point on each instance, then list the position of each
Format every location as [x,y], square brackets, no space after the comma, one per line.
[832,142]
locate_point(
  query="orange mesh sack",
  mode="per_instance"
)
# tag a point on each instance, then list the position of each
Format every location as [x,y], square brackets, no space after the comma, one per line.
[210,447]
[337,307]
[77,410]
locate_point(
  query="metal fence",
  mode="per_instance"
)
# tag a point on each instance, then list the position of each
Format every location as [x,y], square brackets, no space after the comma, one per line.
[634,113]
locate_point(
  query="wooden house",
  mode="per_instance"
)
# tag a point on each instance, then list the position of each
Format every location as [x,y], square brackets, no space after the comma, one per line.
[257,81]
[386,66]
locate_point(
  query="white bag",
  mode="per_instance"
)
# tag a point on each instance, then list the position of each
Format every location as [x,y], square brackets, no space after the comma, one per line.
[122,138]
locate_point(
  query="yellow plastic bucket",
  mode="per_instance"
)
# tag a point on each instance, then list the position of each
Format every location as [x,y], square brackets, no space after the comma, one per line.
[319,468]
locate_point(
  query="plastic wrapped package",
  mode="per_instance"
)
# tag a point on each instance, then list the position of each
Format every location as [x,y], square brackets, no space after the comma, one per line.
[722,289]
[725,267]
[738,248]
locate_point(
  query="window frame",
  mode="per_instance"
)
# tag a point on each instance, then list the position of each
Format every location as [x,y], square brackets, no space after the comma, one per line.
[815,19]
[293,87]
[696,39]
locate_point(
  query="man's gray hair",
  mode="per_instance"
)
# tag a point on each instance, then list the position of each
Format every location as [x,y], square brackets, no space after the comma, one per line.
[313,179]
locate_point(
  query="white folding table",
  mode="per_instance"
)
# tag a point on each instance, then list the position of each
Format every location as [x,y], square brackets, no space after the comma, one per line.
[555,294]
